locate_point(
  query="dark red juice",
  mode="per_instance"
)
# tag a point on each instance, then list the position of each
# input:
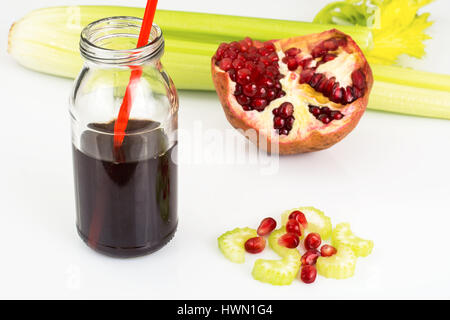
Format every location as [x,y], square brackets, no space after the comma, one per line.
[126,198]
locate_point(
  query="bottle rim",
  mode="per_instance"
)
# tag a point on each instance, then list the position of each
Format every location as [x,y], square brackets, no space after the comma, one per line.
[93,36]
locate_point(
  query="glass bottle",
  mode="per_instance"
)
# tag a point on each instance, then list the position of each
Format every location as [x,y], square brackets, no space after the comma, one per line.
[125,193]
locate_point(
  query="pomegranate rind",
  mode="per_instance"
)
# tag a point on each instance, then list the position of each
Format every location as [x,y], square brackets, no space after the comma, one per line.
[342,265]
[317,139]
[232,243]
[317,221]
[278,272]
[342,235]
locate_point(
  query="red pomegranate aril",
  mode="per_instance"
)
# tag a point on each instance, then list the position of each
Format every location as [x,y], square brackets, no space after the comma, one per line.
[357,92]
[315,111]
[250,90]
[290,122]
[267,82]
[298,215]
[243,99]
[305,62]
[286,109]
[274,57]
[266,226]
[238,64]
[318,51]
[259,104]
[306,75]
[310,257]
[329,87]
[265,60]
[281,94]
[328,57]
[289,240]
[292,52]
[322,85]
[325,110]
[292,64]
[327,250]
[271,71]
[229,53]
[348,97]
[226,64]
[338,94]
[244,46]
[292,226]
[308,274]
[238,89]
[336,115]
[278,122]
[249,41]
[247,108]
[255,245]
[330,44]
[261,92]
[324,118]
[342,42]
[232,74]
[269,46]
[243,76]
[249,65]
[284,132]
[271,94]
[315,80]
[359,80]
[312,241]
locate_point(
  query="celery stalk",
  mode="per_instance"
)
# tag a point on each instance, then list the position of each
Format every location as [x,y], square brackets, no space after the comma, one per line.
[47,40]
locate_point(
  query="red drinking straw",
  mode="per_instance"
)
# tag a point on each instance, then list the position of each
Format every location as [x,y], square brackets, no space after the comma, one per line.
[136,73]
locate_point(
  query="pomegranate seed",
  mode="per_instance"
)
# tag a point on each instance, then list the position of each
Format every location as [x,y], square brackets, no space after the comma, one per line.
[342,42]
[305,62]
[292,52]
[272,71]
[269,46]
[238,64]
[289,240]
[312,241]
[358,93]
[308,274]
[325,110]
[266,226]
[298,215]
[336,115]
[232,74]
[276,111]
[328,57]
[247,108]
[263,51]
[315,80]
[348,97]
[292,226]
[330,44]
[306,75]
[238,90]
[250,90]
[259,104]
[329,88]
[261,92]
[265,60]
[272,94]
[278,122]
[225,64]
[358,79]
[244,46]
[255,245]
[243,99]
[315,111]
[327,250]
[292,64]
[284,132]
[249,65]
[243,76]
[310,257]
[286,109]
[274,57]
[267,82]
[324,118]
[290,122]
[249,41]
[318,51]
[338,94]
[321,87]
[230,53]
[281,94]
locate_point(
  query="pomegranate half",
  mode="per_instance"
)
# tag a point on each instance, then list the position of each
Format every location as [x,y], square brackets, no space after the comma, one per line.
[299,94]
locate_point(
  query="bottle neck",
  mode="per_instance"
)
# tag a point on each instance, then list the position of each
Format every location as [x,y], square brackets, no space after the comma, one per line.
[112,41]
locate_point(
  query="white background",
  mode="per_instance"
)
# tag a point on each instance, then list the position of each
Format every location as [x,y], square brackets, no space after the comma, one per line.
[389,179]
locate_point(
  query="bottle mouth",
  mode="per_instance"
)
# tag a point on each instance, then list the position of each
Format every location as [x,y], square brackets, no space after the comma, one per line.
[113,41]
